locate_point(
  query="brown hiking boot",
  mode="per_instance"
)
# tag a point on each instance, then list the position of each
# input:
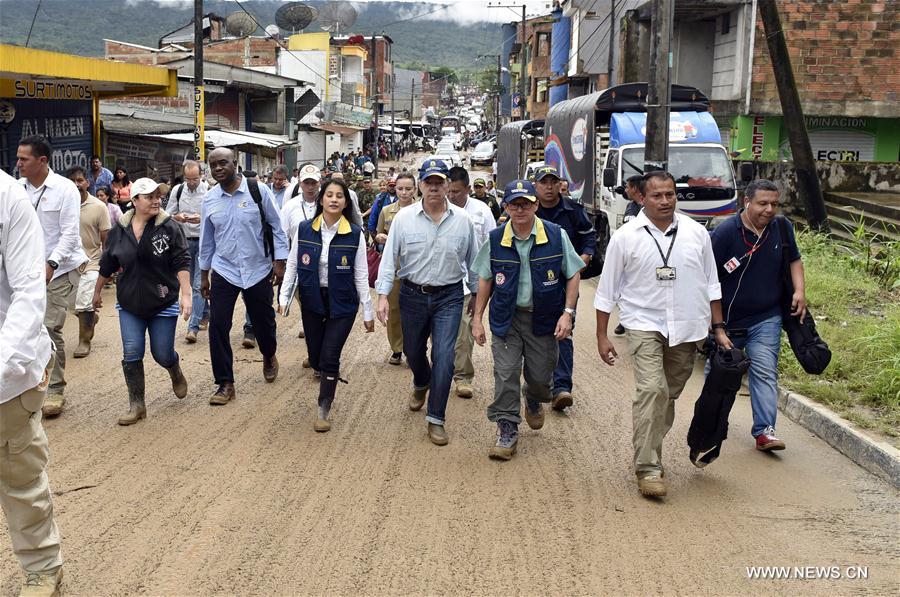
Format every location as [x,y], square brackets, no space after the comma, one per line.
[224,394]
[417,400]
[562,401]
[652,486]
[190,337]
[270,368]
[464,389]
[42,584]
[534,414]
[53,405]
[438,435]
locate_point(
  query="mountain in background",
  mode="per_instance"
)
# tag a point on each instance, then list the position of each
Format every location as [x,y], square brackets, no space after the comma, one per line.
[76,27]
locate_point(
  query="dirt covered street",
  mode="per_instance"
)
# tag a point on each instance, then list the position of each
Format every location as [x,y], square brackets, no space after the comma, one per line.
[247,499]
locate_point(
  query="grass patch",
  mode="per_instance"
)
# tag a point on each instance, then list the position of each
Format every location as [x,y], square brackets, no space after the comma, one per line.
[858,315]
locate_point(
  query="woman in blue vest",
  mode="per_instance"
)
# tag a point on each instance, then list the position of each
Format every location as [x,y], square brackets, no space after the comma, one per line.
[329,264]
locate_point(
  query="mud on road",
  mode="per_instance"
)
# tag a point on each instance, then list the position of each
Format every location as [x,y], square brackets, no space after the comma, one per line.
[247,499]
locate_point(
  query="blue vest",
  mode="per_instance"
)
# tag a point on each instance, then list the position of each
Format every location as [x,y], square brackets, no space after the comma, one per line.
[548,285]
[343,300]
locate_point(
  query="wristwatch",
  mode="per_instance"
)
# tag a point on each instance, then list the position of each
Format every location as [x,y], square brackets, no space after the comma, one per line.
[570,311]
[53,265]
[718,326]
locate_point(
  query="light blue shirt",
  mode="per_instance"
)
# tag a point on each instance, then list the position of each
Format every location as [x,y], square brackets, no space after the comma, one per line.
[231,238]
[104,179]
[429,253]
[279,195]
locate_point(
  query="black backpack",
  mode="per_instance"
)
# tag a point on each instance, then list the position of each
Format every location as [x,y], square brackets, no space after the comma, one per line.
[268,238]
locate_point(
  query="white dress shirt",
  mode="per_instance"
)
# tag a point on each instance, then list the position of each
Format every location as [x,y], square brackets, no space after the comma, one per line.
[294,211]
[678,309]
[360,270]
[58,206]
[483,221]
[24,342]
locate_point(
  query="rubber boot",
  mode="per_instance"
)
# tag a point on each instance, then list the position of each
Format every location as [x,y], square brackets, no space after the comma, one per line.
[327,386]
[179,383]
[134,379]
[86,322]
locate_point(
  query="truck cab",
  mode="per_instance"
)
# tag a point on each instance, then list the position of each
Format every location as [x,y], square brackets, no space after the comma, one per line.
[519,144]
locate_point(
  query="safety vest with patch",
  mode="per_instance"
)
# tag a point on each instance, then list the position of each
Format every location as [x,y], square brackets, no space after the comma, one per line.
[343,299]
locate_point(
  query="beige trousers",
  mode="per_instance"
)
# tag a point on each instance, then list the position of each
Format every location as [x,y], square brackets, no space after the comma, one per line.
[660,373]
[394,329]
[59,293]
[24,488]
[463,369]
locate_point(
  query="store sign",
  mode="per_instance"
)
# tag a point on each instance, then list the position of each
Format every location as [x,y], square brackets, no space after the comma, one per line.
[45,89]
[67,125]
[757,136]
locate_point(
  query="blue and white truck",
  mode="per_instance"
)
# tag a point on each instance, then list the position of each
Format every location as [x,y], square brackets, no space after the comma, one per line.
[597,142]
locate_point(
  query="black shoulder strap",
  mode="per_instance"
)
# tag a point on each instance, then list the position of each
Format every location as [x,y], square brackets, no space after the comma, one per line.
[296,190]
[268,238]
[178,194]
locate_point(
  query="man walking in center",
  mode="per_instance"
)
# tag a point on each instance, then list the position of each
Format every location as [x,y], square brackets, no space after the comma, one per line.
[430,246]
[25,355]
[483,221]
[184,205]
[241,238]
[661,272]
[571,217]
[98,176]
[531,272]
[57,202]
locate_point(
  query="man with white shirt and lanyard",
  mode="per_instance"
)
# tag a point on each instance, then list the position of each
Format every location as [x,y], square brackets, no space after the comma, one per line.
[25,356]
[661,272]
[57,202]
[483,220]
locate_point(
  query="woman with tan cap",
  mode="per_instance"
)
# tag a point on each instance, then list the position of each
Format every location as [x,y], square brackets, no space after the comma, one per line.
[152,288]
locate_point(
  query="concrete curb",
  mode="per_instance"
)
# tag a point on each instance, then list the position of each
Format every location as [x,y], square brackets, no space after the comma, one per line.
[879,458]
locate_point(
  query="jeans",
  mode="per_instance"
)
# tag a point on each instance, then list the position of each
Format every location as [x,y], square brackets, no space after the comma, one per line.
[200,309]
[222,297]
[325,338]
[436,315]
[562,375]
[762,344]
[134,336]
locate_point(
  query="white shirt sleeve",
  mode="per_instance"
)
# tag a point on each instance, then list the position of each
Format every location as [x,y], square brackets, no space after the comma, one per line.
[709,268]
[361,277]
[609,287]
[69,244]
[289,283]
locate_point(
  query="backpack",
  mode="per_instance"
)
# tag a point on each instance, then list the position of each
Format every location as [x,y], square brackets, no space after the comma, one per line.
[268,238]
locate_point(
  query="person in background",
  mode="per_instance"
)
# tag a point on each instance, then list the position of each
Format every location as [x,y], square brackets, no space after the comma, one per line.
[115,212]
[406,195]
[356,214]
[57,202]
[387,196]
[26,356]
[93,228]
[328,261]
[98,176]
[366,195]
[153,287]
[479,191]
[572,218]
[185,204]
[564,188]
[295,175]
[633,192]
[121,188]
[279,184]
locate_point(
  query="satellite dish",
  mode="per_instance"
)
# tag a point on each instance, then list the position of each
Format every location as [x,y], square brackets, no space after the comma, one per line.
[240,24]
[337,16]
[295,16]
[273,31]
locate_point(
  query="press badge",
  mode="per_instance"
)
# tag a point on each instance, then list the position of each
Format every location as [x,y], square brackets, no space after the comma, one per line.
[665,274]
[732,264]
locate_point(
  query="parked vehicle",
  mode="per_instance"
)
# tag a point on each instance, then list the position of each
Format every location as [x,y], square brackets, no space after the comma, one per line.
[518,143]
[483,154]
[449,158]
[530,170]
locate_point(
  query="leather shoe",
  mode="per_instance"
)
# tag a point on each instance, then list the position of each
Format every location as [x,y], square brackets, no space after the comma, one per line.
[464,389]
[561,401]
[270,368]
[652,486]
[438,435]
[417,400]
[224,394]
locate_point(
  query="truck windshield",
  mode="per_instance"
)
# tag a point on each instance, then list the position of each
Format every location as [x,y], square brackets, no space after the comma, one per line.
[691,166]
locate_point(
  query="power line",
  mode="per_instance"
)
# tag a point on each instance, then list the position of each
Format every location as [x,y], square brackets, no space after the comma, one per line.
[33,19]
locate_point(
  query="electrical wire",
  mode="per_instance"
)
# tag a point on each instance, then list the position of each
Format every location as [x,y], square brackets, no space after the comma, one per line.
[33,19]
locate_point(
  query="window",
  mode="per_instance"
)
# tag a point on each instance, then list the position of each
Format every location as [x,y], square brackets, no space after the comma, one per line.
[543,43]
[540,90]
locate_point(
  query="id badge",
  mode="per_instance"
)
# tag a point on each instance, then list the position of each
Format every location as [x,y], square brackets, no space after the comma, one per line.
[732,264]
[665,274]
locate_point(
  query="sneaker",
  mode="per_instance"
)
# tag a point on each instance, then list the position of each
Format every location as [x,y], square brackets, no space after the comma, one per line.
[652,486]
[507,440]
[464,389]
[396,358]
[534,414]
[53,405]
[249,341]
[417,400]
[438,435]
[766,441]
[620,330]
[561,401]
[43,584]
[190,337]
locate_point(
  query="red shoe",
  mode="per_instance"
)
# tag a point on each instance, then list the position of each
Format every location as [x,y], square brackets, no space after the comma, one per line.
[766,441]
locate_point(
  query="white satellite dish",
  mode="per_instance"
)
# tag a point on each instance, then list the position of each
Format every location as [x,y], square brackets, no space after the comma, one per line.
[273,30]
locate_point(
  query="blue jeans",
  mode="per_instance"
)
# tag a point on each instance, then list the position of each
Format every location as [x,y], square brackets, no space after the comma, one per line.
[562,375]
[436,315]
[200,309]
[134,336]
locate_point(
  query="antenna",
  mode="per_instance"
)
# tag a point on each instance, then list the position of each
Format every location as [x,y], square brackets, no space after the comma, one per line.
[295,16]
[337,16]
[240,24]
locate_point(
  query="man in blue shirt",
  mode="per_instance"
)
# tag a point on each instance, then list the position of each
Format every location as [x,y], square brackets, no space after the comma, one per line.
[749,250]
[571,217]
[279,184]
[233,242]
[98,176]
[387,196]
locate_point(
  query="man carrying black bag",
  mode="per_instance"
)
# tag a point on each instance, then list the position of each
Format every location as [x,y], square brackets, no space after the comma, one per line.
[749,258]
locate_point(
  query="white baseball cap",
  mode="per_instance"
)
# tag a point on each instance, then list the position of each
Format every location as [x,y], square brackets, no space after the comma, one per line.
[309,172]
[143,186]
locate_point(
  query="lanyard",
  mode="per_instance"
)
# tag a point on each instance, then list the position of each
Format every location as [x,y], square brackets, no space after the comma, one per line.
[41,196]
[665,258]
[753,247]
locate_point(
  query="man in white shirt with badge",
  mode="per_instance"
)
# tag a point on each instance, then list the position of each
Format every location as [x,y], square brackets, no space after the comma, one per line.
[661,272]
[25,353]
[58,205]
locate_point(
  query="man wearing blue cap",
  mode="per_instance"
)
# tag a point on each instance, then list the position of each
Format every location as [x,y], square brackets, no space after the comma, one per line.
[571,217]
[431,246]
[530,270]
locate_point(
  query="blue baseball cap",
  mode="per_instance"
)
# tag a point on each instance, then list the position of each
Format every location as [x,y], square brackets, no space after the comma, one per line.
[519,189]
[545,171]
[433,168]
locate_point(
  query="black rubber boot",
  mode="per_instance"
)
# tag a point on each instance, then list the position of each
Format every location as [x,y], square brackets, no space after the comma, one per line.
[134,379]
[327,386]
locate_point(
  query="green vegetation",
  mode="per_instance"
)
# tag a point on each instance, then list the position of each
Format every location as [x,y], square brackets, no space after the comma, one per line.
[857,311]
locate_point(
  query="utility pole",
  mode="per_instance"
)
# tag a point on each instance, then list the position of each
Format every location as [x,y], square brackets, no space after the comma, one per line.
[659,90]
[808,186]
[393,155]
[412,100]
[199,113]
[524,76]
[375,104]
[499,93]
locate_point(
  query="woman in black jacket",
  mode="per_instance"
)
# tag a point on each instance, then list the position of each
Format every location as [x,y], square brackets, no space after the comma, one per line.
[149,250]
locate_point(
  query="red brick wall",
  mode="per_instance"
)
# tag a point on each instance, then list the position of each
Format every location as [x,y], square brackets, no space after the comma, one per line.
[245,52]
[845,55]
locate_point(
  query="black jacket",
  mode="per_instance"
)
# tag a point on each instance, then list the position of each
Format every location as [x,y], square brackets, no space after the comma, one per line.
[572,218]
[148,282]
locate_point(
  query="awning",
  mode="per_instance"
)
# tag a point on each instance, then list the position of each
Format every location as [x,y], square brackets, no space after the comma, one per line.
[129,125]
[341,129]
[242,140]
[396,129]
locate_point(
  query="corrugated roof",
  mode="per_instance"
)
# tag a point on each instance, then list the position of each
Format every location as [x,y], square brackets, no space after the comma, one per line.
[130,125]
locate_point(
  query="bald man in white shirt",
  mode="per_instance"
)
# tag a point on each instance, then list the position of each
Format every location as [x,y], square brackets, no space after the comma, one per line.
[25,354]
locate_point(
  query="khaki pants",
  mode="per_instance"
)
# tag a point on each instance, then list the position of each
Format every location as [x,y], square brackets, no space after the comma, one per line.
[394,328]
[463,369]
[59,293]
[24,489]
[660,372]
